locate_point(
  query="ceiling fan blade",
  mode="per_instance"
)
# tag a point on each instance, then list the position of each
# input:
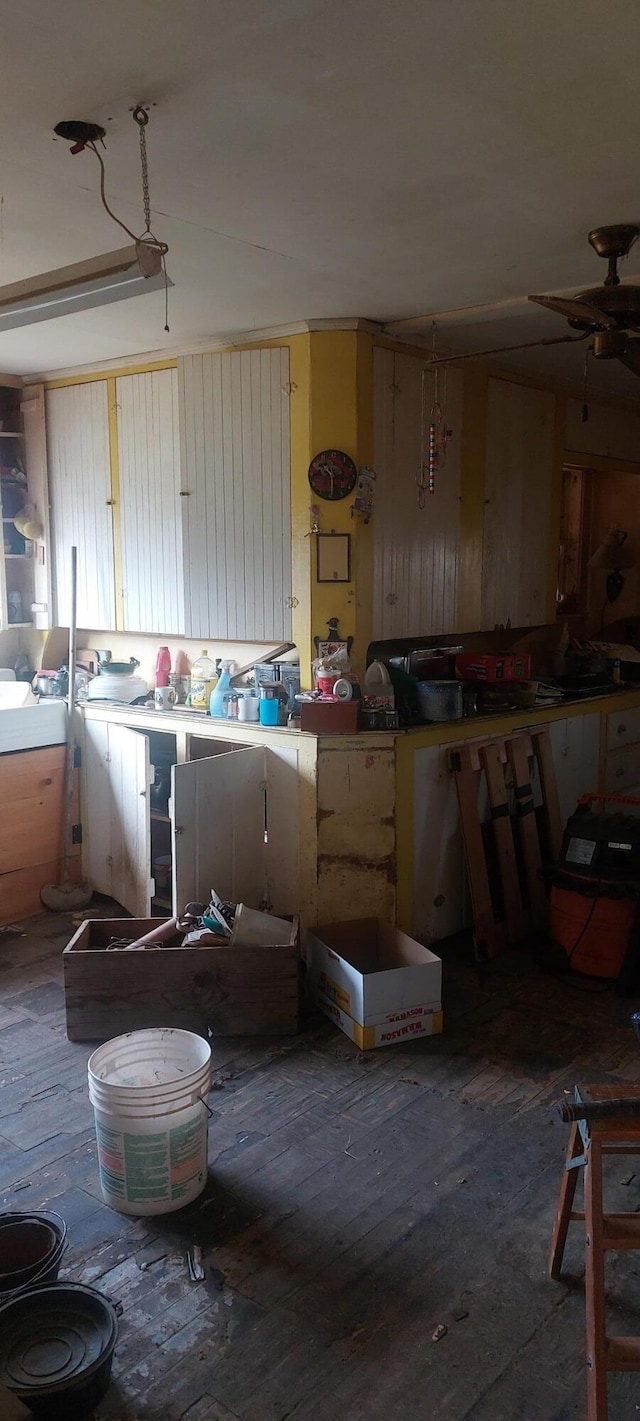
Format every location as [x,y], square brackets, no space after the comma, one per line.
[631,356]
[581,313]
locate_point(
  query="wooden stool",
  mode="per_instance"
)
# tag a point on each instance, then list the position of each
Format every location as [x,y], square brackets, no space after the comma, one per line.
[589,1140]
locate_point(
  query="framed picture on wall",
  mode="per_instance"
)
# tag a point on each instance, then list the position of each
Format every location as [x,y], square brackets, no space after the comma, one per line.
[333,557]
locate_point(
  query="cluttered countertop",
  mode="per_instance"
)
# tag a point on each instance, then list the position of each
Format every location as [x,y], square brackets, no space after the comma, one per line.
[435,689]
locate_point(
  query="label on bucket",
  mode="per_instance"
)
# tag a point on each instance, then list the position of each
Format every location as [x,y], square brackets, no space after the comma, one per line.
[138,1168]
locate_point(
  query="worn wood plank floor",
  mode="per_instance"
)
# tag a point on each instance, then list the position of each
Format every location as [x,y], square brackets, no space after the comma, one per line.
[354,1204]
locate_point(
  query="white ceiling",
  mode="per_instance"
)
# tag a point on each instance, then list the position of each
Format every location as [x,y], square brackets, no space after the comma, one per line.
[317,158]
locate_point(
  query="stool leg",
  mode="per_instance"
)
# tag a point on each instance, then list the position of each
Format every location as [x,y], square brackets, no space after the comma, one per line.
[594,1286]
[565,1204]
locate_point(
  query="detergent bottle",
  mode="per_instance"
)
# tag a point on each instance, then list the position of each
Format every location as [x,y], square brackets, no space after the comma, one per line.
[203,680]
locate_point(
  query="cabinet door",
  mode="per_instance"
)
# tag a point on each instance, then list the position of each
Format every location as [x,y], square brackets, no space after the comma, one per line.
[234,450]
[81,510]
[575,744]
[518,480]
[150,512]
[117,779]
[218,817]
[415,550]
[35,448]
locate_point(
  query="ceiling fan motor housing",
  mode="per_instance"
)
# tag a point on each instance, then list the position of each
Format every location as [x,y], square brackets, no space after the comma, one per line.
[614,241]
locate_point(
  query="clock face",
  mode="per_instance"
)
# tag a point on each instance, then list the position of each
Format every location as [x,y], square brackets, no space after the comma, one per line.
[332,474]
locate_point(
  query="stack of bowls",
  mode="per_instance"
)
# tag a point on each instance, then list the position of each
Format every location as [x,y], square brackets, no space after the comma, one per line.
[31,1249]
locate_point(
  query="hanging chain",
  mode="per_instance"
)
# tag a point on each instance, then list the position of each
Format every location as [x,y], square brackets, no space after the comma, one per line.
[433,432]
[141,117]
[421,480]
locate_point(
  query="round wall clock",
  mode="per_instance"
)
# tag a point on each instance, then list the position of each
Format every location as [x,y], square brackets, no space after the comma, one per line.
[332,474]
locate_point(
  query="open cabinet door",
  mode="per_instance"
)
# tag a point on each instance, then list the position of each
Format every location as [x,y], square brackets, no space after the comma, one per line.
[218,819]
[117,778]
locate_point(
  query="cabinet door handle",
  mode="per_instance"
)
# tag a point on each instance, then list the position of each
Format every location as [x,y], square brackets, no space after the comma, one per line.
[185,493]
[622,730]
[619,772]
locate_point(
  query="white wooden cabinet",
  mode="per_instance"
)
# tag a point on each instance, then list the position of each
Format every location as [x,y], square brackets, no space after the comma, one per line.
[517,520]
[81,501]
[575,744]
[415,550]
[116,814]
[234,818]
[191,482]
[150,514]
[235,469]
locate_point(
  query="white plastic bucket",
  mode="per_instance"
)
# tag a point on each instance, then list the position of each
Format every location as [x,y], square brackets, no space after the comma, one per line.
[254,929]
[148,1090]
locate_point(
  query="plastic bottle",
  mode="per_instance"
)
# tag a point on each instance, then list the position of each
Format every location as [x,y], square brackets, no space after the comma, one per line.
[203,680]
[163,666]
[217,706]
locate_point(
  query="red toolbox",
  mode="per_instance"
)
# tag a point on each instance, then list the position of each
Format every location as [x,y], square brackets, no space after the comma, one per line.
[486,667]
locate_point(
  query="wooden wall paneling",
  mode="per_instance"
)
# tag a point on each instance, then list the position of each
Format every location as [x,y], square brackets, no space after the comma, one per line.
[235,456]
[356,843]
[415,551]
[150,503]
[610,431]
[32,783]
[519,477]
[20,893]
[80,491]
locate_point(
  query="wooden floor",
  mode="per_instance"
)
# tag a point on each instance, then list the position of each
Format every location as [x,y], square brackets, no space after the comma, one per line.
[355,1204]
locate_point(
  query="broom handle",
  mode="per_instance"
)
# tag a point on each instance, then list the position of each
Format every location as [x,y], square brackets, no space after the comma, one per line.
[68,818]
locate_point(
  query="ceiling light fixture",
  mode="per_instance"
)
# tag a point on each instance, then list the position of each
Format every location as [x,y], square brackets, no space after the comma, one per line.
[131,271]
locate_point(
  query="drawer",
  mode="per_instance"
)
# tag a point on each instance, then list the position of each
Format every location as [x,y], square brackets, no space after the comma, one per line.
[622,770]
[623,728]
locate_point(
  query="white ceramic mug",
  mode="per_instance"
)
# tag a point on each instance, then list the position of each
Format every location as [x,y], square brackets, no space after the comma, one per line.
[165,698]
[248,708]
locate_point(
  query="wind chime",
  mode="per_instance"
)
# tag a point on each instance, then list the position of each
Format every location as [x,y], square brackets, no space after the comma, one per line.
[434,435]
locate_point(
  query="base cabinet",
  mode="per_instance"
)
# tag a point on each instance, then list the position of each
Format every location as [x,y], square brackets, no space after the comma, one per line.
[230,822]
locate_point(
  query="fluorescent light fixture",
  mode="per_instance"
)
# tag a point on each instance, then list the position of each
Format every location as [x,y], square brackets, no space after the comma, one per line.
[131,271]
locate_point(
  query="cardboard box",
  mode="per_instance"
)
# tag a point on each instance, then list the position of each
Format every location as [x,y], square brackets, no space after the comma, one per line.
[231,991]
[329,717]
[379,985]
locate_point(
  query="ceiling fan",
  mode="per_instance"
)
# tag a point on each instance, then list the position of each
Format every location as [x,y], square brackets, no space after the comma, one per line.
[610,312]
[607,315]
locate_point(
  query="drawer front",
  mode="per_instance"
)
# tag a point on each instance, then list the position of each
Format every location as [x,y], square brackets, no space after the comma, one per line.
[622,770]
[623,728]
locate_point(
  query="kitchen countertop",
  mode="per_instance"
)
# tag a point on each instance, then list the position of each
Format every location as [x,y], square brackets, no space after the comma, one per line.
[190,722]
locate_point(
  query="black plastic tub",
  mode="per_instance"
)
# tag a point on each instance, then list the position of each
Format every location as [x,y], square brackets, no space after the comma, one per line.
[56,1349]
[31,1249]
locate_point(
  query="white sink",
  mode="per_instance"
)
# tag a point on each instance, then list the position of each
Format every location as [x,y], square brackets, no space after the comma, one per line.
[28,727]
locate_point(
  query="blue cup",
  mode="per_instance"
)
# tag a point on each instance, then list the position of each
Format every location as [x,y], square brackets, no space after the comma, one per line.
[269,710]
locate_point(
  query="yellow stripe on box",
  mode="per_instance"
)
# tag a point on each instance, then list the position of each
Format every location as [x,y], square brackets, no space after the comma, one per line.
[364,1036]
[335,993]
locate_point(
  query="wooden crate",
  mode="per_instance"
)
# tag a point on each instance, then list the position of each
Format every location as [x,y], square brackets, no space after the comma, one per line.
[232,991]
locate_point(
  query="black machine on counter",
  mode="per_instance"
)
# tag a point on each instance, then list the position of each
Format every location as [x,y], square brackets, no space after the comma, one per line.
[412,661]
